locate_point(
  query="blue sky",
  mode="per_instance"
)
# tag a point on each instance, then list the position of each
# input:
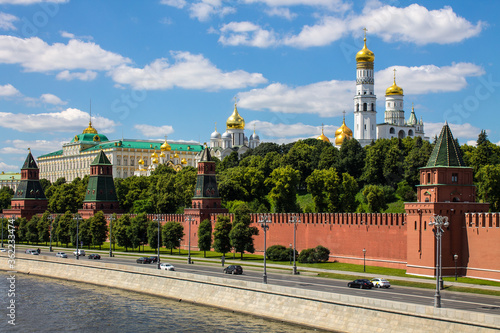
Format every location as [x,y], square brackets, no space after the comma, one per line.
[174,67]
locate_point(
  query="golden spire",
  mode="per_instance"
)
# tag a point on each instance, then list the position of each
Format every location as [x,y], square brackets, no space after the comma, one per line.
[165,146]
[365,55]
[90,129]
[394,89]
[323,137]
[235,121]
[342,133]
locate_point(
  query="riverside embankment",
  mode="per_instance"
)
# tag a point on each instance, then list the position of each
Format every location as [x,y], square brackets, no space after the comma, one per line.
[305,307]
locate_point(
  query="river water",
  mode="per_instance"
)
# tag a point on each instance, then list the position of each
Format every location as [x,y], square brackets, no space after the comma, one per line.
[53,305]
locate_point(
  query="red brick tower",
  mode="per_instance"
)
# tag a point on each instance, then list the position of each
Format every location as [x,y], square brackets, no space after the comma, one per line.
[29,198]
[446,189]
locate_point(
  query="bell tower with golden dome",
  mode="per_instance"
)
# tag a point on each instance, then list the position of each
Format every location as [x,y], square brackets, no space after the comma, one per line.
[365,114]
[394,113]
[235,127]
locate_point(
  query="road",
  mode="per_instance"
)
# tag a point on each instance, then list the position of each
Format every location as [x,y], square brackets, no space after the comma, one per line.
[454,300]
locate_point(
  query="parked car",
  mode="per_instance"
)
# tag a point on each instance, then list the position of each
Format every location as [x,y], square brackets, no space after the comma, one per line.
[29,251]
[81,253]
[380,283]
[34,252]
[3,249]
[233,269]
[143,260]
[361,284]
[61,255]
[153,259]
[167,267]
[94,256]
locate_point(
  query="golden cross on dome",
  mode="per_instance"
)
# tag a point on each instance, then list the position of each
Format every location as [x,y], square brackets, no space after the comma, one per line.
[235,100]
[165,138]
[216,126]
[394,74]
[365,30]
[322,126]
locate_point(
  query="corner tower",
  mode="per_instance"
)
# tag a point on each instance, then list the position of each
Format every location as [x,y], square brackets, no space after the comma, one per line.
[446,189]
[29,198]
[365,114]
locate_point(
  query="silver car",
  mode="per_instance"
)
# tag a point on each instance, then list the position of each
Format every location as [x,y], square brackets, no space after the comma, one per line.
[380,283]
[61,255]
[167,267]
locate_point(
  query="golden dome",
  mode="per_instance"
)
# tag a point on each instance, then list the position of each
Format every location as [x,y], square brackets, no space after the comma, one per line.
[90,129]
[342,133]
[141,162]
[365,55]
[183,161]
[154,155]
[155,161]
[165,146]
[323,137]
[394,89]
[162,154]
[176,156]
[235,121]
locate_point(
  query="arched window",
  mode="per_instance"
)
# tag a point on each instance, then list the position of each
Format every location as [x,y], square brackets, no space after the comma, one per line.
[391,130]
[365,107]
[357,106]
[373,107]
[410,133]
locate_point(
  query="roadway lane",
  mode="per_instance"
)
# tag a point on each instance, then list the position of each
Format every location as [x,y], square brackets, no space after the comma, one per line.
[454,300]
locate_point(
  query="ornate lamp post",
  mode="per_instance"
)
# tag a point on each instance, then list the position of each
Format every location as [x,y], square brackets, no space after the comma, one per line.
[189,219]
[51,230]
[77,218]
[291,249]
[438,223]
[455,257]
[364,260]
[263,223]
[111,218]
[294,220]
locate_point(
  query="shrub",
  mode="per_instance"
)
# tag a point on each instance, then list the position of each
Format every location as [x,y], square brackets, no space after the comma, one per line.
[317,254]
[280,253]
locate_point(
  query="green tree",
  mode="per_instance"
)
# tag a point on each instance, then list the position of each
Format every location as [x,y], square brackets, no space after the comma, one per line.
[417,157]
[284,181]
[130,190]
[162,193]
[31,229]
[99,229]
[21,230]
[63,228]
[6,194]
[137,232]
[43,228]
[222,228]
[153,234]
[489,186]
[185,181]
[351,158]
[230,161]
[393,163]
[375,199]
[172,231]
[205,236]
[85,232]
[120,231]
[241,234]
[300,158]
[325,186]
[65,198]
[373,171]
[348,202]
[328,157]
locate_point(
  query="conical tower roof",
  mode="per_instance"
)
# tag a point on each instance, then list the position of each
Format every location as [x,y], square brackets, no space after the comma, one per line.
[446,153]
[101,159]
[205,155]
[29,163]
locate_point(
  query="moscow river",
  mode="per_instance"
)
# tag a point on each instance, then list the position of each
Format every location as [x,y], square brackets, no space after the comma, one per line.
[52,305]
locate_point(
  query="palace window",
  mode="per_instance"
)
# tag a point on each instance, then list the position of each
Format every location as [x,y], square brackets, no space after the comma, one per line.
[454,177]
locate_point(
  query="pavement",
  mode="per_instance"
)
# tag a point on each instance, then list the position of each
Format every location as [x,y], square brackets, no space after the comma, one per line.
[273,267]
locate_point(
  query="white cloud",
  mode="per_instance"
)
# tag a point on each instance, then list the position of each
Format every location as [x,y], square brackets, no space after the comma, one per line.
[68,76]
[334,5]
[70,35]
[153,131]
[35,55]
[416,24]
[326,99]
[69,120]
[188,71]
[21,146]
[427,78]
[246,33]
[174,3]
[8,90]
[205,9]
[8,167]
[6,21]
[267,129]
[328,30]
[52,99]
[281,12]
[29,2]
[460,131]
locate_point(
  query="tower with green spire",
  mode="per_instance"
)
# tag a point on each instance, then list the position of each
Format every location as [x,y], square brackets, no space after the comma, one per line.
[101,193]
[29,198]
[446,189]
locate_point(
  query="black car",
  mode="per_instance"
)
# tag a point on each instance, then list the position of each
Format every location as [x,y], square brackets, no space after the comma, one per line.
[153,259]
[143,260]
[233,269]
[94,256]
[361,284]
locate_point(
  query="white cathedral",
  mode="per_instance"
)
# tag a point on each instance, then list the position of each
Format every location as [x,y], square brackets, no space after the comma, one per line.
[366,128]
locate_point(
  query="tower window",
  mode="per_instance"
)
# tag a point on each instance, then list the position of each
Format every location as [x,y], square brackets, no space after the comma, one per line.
[365,127]
[365,107]
[357,106]
[373,107]
[364,92]
[454,177]
[428,178]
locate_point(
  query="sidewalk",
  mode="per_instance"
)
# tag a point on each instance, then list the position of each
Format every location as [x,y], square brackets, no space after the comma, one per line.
[274,267]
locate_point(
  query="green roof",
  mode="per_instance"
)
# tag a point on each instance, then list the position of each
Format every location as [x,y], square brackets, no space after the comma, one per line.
[89,137]
[29,163]
[10,176]
[101,159]
[446,151]
[55,153]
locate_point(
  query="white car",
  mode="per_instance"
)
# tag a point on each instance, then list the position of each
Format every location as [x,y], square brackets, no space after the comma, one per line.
[81,253]
[3,250]
[61,255]
[380,283]
[167,267]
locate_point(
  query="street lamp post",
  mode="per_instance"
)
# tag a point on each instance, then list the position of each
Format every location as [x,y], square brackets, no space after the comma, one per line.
[111,236]
[51,230]
[438,223]
[189,219]
[180,246]
[157,218]
[291,249]
[263,223]
[455,257]
[294,220]
[77,218]
[1,217]
[364,260]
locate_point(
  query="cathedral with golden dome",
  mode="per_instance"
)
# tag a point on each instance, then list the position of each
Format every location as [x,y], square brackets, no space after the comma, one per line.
[395,125]
[233,139]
